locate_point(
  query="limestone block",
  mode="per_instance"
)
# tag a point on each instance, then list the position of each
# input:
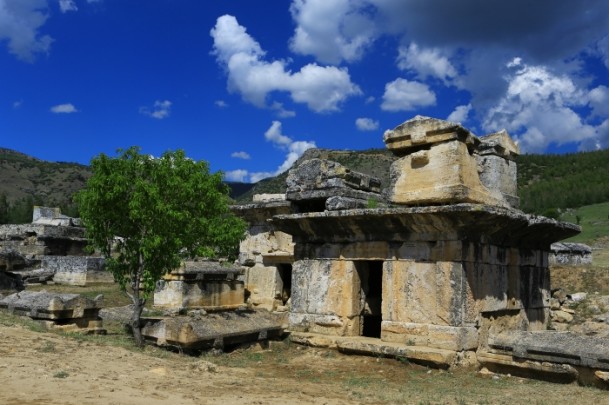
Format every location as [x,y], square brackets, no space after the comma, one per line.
[319,174]
[260,241]
[322,290]
[268,197]
[77,270]
[439,336]
[496,154]
[261,282]
[448,175]
[488,285]
[426,293]
[365,251]
[570,254]
[209,294]
[213,330]
[50,306]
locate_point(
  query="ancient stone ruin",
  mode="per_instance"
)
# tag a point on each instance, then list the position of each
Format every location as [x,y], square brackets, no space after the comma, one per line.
[206,285]
[65,312]
[51,248]
[439,267]
[570,254]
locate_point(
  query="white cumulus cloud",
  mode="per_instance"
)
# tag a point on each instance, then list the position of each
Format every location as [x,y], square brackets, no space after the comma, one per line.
[20,21]
[160,110]
[538,108]
[460,114]
[294,149]
[274,135]
[67,108]
[67,5]
[321,88]
[599,101]
[331,30]
[405,95]
[238,175]
[366,124]
[240,155]
[426,62]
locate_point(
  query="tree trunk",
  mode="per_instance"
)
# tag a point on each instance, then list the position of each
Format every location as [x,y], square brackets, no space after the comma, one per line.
[136,324]
[138,306]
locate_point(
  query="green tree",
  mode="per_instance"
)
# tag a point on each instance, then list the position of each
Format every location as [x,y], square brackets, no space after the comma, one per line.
[3,209]
[147,214]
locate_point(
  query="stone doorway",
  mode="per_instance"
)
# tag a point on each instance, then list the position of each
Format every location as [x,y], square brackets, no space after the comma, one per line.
[284,271]
[370,275]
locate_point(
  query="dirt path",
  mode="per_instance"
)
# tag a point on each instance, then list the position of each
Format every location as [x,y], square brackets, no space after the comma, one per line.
[48,368]
[44,368]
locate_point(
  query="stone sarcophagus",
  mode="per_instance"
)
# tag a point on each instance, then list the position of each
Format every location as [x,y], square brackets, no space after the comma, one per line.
[440,162]
[66,312]
[202,284]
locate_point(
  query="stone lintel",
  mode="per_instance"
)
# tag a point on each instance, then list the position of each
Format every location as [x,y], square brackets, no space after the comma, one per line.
[472,222]
[260,212]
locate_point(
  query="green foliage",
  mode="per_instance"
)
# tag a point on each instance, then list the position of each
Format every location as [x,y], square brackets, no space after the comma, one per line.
[4,207]
[160,211]
[563,181]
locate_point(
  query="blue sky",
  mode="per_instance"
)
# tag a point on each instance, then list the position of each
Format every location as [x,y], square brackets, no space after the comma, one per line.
[249,85]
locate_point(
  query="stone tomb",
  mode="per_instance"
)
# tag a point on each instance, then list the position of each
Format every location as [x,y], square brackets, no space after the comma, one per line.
[77,270]
[201,285]
[442,275]
[266,254]
[67,312]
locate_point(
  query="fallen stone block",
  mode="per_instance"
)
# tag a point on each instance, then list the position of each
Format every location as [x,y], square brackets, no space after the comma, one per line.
[57,311]
[213,331]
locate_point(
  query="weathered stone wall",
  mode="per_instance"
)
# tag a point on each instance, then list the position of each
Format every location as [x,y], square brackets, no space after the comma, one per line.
[34,240]
[77,270]
[208,294]
[264,250]
[433,294]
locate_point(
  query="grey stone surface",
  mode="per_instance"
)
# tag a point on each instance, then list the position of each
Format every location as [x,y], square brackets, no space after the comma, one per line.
[216,331]
[315,181]
[570,254]
[11,259]
[10,282]
[497,225]
[52,306]
[555,347]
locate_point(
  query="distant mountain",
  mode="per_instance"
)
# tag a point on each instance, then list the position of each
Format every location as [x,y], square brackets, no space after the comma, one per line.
[546,182]
[25,180]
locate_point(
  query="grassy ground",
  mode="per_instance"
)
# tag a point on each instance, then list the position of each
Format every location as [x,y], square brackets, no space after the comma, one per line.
[594,220]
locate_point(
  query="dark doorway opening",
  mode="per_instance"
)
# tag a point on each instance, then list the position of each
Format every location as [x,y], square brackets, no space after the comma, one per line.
[371,290]
[285,279]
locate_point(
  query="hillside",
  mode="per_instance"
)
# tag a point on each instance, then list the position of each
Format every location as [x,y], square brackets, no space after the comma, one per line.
[548,184]
[25,181]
